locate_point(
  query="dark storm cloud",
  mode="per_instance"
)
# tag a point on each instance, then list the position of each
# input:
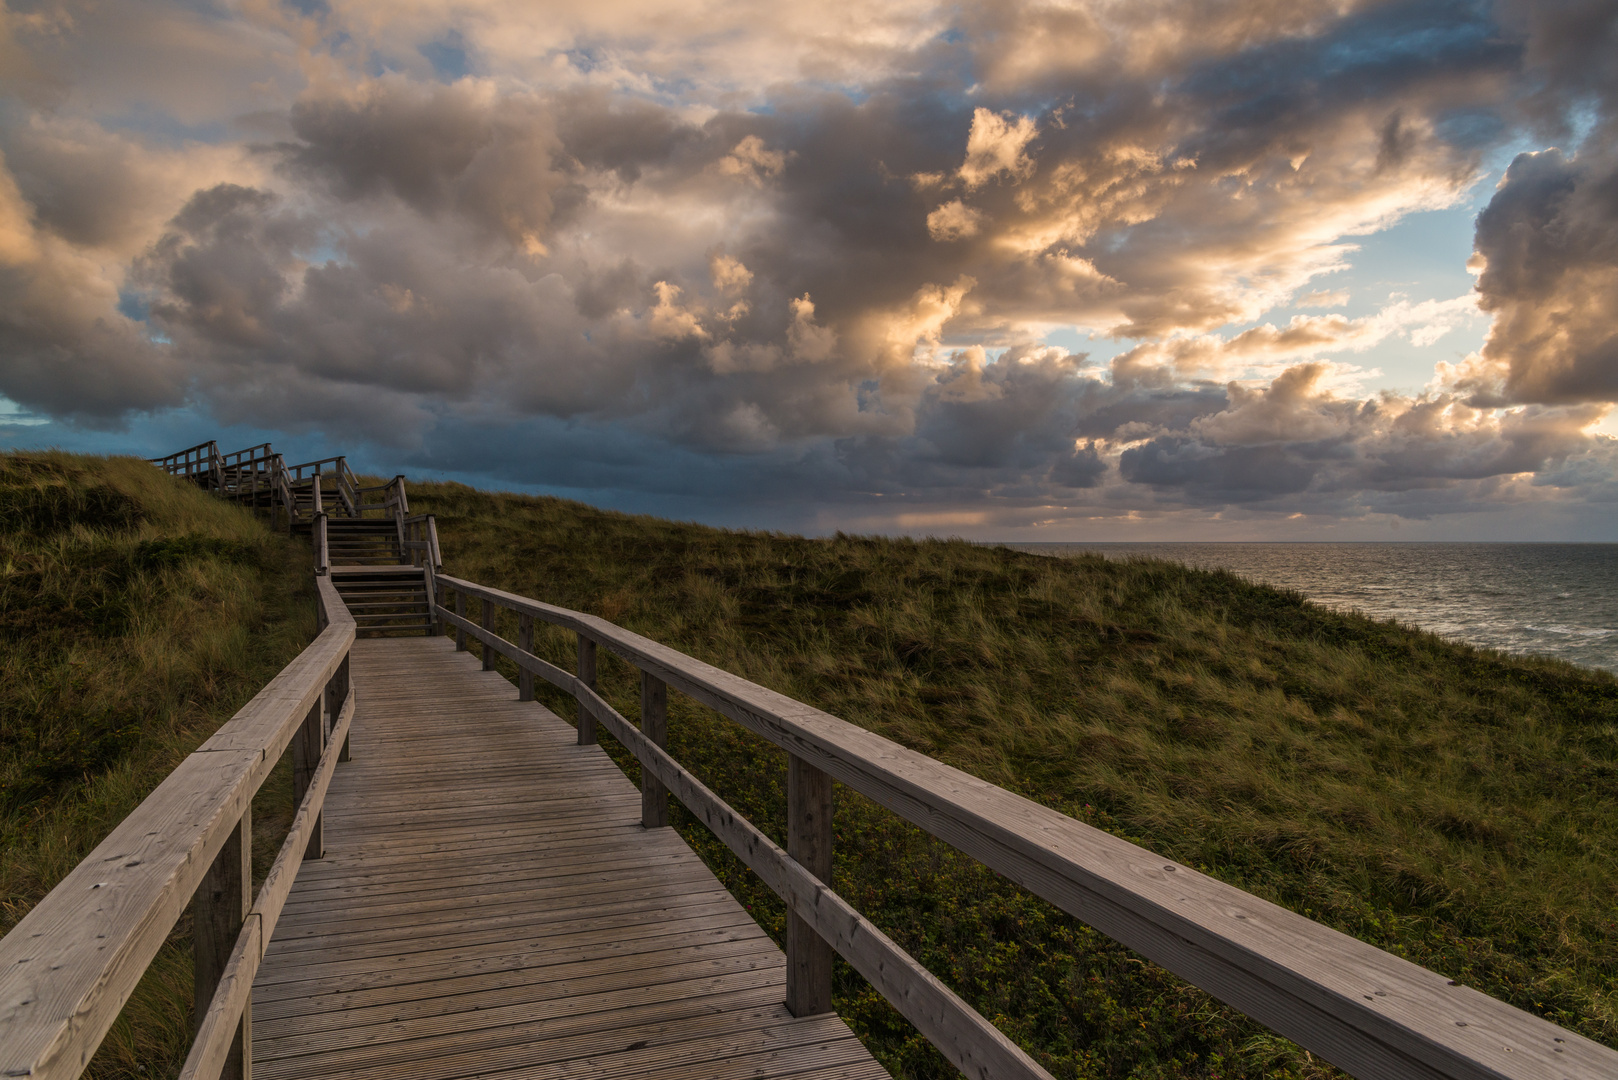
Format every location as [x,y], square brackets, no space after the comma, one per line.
[1549,245]
[845,277]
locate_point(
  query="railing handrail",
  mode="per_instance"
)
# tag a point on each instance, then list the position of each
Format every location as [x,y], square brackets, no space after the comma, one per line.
[1369,1012]
[179,455]
[69,965]
[313,464]
[247,456]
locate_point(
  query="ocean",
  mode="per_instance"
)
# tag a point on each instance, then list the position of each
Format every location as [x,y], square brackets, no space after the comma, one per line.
[1556,600]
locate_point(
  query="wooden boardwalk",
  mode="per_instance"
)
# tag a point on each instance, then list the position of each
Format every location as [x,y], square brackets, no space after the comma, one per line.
[489,904]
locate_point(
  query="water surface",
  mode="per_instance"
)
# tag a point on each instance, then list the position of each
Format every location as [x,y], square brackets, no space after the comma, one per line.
[1556,600]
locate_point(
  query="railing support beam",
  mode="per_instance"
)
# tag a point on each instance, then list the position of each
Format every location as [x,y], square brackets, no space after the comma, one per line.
[525,642]
[654,724]
[336,694]
[218,911]
[460,610]
[587,676]
[809,841]
[307,745]
[488,624]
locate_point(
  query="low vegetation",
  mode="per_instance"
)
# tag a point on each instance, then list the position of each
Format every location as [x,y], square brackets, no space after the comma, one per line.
[137,613]
[1449,804]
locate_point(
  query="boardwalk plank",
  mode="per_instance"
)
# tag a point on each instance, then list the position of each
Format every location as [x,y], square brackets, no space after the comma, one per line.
[489,904]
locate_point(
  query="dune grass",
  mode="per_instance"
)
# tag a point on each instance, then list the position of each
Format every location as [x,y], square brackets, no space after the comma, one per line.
[1449,804]
[1445,803]
[137,613]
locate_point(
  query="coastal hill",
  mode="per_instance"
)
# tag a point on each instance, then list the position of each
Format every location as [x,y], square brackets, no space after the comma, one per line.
[1445,803]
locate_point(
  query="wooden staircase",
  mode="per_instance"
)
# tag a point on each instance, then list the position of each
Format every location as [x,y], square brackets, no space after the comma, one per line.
[363,542]
[382,566]
[386,601]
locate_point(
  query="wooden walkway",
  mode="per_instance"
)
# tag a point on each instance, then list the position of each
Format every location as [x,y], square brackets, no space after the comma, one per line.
[489,904]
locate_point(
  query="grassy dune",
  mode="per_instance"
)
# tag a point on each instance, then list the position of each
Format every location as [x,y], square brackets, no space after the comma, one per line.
[137,614]
[1449,804]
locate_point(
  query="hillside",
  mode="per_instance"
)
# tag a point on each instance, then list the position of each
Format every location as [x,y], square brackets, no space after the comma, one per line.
[1449,804]
[1445,803]
[137,613]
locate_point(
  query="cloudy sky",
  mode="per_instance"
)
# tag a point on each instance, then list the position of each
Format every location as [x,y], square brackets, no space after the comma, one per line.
[1214,269]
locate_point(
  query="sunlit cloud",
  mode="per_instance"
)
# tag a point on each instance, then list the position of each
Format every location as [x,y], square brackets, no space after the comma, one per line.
[836,245]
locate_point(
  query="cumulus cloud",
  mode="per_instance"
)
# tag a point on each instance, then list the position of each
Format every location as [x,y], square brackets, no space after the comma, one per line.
[996,146]
[822,248]
[954,221]
[1547,246]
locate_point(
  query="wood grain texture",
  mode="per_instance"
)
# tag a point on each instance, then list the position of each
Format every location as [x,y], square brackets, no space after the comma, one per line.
[587,678]
[218,911]
[1373,1014]
[489,901]
[654,724]
[525,643]
[809,841]
[223,1044]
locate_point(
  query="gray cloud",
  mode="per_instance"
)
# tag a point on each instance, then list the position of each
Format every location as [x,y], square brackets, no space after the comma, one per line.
[1549,246]
[847,279]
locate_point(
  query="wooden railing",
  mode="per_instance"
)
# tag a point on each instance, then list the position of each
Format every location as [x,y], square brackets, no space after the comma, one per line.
[322,546]
[301,491]
[200,463]
[70,964]
[1369,1012]
[344,493]
[392,501]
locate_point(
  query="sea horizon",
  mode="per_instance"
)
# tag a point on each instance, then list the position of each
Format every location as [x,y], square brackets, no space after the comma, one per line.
[1556,598]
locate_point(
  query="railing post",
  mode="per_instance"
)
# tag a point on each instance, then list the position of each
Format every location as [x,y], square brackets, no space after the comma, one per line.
[525,642]
[587,675]
[218,910]
[809,839]
[306,747]
[654,724]
[488,625]
[460,610]
[336,694]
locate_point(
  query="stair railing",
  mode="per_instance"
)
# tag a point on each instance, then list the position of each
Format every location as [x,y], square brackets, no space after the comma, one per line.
[242,471]
[283,491]
[200,464]
[347,488]
[1371,1013]
[421,549]
[322,548]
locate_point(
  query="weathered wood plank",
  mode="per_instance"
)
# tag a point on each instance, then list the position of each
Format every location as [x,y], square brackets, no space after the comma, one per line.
[490,896]
[223,1043]
[654,724]
[218,912]
[809,841]
[381,1024]
[438,990]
